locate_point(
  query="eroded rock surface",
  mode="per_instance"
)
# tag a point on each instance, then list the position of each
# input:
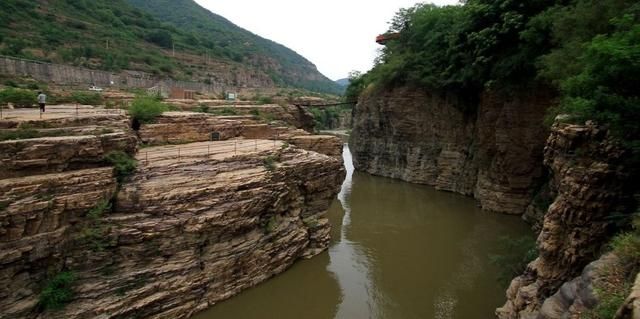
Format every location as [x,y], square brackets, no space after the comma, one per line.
[591,184]
[57,154]
[184,233]
[493,152]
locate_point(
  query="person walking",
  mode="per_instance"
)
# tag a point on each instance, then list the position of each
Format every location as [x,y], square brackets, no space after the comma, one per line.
[42,100]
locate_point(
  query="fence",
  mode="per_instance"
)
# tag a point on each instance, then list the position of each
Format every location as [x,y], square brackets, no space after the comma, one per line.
[234,147]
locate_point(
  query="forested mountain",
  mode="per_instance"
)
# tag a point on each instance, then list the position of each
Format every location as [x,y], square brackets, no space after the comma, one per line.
[141,35]
[223,38]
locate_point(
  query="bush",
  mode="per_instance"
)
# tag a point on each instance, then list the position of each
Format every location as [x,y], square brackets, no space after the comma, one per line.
[86,98]
[513,257]
[58,291]
[145,109]
[124,165]
[19,134]
[264,100]
[18,97]
[269,163]
[94,233]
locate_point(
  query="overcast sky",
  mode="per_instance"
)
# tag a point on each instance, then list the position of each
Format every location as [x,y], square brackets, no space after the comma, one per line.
[338,36]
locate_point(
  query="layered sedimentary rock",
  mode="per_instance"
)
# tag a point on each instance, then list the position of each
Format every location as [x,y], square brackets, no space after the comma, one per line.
[185,127]
[491,148]
[323,144]
[57,154]
[38,216]
[182,235]
[592,184]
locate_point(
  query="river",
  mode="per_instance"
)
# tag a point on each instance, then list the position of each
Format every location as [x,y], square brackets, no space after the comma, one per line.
[398,250]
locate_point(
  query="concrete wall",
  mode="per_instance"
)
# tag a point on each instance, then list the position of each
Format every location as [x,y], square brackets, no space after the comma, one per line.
[71,75]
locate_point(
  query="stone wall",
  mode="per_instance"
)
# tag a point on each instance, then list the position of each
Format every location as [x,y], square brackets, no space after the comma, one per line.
[70,75]
[490,149]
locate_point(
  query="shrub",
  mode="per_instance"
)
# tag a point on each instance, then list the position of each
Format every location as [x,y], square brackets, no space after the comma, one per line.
[19,134]
[58,291]
[124,165]
[18,97]
[94,233]
[86,98]
[264,100]
[145,109]
[271,225]
[269,163]
[514,256]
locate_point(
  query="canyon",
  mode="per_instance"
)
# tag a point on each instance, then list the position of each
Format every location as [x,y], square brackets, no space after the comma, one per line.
[568,181]
[195,223]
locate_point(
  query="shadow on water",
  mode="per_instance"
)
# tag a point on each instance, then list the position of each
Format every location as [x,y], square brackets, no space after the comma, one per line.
[398,251]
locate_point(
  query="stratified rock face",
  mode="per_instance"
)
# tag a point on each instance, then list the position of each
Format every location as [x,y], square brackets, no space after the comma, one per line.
[494,153]
[57,154]
[184,234]
[591,185]
[37,219]
[323,144]
[185,127]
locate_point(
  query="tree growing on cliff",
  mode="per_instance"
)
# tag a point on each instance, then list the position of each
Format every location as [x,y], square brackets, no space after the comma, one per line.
[145,109]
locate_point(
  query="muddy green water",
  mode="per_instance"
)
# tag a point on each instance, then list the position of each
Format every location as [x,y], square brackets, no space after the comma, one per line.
[398,251]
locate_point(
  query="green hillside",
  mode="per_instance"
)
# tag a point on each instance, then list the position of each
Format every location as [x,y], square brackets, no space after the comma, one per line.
[116,35]
[224,38]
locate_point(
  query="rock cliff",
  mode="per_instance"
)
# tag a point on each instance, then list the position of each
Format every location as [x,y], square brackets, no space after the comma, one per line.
[592,185]
[177,236]
[490,149]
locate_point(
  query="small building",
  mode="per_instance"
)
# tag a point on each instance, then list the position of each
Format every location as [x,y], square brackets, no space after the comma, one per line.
[230,96]
[182,94]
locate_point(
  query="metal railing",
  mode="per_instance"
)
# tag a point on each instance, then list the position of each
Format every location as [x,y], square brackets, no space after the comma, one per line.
[212,148]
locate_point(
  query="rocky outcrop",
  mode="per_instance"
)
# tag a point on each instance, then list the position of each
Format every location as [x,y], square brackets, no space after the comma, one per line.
[592,184]
[183,233]
[491,148]
[187,127]
[323,144]
[57,154]
[38,214]
[578,295]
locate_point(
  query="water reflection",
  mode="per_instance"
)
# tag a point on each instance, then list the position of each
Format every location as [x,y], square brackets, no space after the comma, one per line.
[349,261]
[399,251]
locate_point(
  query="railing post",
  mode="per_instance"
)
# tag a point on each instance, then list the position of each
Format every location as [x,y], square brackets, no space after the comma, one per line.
[208,150]
[146,157]
[235,148]
[256,144]
[1,110]
[178,154]
[76,109]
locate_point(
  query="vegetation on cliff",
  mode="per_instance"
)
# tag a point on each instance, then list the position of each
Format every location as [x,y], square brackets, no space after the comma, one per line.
[588,50]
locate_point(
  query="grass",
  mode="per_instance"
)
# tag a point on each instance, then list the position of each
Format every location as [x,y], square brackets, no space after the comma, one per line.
[615,285]
[95,232]
[58,291]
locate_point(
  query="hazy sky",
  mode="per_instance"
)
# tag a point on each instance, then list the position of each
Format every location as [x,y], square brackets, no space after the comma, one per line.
[336,35]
